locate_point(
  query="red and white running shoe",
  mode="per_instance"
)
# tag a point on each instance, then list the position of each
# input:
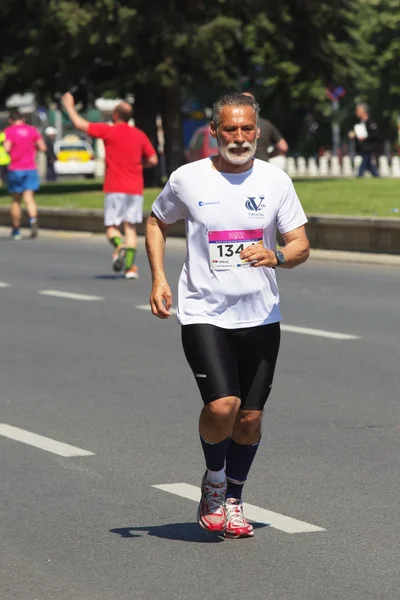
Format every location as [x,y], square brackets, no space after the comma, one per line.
[211,512]
[236,524]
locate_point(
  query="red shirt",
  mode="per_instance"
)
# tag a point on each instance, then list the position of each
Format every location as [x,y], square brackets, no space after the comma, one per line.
[125,146]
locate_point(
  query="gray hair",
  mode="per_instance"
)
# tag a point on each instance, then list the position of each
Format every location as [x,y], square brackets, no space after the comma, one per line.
[233,99]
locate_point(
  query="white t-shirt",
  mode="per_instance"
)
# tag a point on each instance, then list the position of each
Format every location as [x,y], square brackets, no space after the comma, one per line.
[225,212]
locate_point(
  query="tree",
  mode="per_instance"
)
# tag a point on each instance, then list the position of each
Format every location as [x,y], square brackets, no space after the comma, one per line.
[287,52]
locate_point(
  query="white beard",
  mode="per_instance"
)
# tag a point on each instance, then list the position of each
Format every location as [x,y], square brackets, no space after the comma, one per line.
[225,151]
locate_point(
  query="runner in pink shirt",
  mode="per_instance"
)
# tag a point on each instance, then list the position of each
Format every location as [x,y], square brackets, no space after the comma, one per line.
[22,142]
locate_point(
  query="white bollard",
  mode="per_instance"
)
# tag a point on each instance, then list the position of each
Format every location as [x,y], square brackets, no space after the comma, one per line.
[335,167]
[312,168]
[291,167]
[323,166]
[41,165]
[278,161]
[383,165]
[301,166]
[357,163]
[99,168]
[347,169]
[396,166]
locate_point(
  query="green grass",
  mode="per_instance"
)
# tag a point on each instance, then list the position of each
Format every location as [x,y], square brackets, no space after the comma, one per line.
[76,194]
[365,197]
[373,197]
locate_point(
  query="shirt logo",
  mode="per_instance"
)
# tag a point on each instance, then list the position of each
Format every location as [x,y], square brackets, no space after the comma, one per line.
[209,203]
[255,205]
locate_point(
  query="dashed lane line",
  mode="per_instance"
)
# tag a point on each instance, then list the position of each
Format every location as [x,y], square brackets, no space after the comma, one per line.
[254,513]
[3,284]
[39,441]
[333,335]
[69,295]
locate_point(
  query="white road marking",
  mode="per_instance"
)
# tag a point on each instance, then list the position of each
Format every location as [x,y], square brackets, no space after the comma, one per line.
[254,513]
[39,441]
[69,295]
[333,335]
[3,284]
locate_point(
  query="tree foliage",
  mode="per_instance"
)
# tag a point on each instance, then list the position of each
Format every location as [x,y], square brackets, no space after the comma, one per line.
[287,52]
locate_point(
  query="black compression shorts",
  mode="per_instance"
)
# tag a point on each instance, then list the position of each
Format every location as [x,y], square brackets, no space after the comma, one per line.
[233,362]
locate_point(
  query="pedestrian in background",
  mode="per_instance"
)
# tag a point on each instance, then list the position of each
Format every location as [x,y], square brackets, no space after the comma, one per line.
[51,136]
[4,159]
[128,150]
[22,142]
[271,142]
[368,139]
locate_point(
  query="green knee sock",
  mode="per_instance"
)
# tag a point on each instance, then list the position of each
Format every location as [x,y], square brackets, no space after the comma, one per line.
[115,241]
[130,258]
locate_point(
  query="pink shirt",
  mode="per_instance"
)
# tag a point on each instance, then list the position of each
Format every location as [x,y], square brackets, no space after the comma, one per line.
[23,140]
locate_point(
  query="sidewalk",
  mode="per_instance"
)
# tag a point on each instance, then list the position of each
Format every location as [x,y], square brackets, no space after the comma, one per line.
[338,256]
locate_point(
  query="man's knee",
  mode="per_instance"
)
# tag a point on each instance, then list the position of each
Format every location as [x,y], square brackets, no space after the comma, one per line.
[223,408]
[248,423]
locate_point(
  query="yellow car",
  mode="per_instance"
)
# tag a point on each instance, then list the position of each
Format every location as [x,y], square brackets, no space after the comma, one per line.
[74,157]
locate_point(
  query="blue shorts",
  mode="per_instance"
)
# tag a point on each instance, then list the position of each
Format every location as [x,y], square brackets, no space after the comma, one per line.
[20,181]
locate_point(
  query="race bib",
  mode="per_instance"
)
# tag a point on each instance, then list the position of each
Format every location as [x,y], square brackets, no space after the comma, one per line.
[225,247]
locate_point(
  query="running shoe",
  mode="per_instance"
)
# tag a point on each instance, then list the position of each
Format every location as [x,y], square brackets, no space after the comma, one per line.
[132,273]
[236,524]
[211,511]
[118,258]
[16,234]
[34,230]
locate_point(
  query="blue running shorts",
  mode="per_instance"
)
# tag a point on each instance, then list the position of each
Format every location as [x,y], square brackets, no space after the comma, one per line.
[21,181]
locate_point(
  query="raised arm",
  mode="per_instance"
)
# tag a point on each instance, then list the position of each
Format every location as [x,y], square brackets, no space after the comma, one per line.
[161,296]
[78,122]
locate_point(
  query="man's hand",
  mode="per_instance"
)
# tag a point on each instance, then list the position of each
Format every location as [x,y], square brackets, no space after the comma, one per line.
[259,256]
[161,299]
[68,100]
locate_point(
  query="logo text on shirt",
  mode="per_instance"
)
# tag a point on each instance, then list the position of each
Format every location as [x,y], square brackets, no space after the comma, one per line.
[255,205]
[201,203]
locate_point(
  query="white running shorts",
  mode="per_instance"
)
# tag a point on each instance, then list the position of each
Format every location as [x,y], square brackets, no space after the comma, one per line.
[122,208]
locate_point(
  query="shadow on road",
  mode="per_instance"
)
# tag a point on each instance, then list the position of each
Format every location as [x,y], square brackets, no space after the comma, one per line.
[183,532]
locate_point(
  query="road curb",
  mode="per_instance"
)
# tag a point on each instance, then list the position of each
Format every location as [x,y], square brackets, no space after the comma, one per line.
[364,235]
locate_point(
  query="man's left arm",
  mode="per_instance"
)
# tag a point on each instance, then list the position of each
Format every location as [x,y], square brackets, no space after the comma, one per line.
[149,155]
[290,220]
[78,122]
[296,251]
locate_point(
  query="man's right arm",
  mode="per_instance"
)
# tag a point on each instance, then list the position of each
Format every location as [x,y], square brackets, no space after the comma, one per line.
[161,296]
[78,122]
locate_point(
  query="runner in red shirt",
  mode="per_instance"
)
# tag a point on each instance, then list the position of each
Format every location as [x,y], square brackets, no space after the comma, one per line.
[128,150]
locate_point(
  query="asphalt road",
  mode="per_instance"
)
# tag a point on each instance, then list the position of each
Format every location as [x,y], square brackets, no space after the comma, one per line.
[103,376]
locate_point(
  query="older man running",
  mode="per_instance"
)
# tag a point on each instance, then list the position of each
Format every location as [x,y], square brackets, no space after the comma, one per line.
[228,300]
[128,150]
